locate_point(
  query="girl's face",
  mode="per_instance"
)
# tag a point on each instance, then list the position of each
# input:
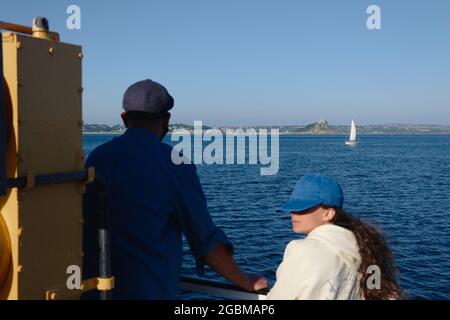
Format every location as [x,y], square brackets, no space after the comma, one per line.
[306,221]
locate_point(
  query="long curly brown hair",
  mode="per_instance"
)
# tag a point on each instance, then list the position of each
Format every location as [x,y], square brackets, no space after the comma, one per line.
[374,251]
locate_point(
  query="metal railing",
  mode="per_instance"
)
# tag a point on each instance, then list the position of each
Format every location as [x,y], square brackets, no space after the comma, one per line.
[219,288]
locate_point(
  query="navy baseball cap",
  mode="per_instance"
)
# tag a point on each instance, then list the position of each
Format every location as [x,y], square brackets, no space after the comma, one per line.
[313,190]
[147,96]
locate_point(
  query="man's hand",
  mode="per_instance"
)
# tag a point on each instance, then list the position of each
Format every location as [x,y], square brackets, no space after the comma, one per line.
[256,282]
[223,263]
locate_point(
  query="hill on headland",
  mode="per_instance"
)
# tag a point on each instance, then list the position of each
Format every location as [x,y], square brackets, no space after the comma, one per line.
[319,127]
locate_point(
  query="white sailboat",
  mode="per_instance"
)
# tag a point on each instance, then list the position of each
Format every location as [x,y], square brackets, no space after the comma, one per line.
[352,141]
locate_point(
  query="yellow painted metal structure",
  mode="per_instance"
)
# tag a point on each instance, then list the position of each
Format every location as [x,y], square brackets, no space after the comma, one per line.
[41,226]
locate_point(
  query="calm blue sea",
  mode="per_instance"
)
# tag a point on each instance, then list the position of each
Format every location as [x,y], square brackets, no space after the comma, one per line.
[401,183]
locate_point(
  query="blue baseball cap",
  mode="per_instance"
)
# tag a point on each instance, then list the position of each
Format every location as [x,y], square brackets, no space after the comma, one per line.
[313,190]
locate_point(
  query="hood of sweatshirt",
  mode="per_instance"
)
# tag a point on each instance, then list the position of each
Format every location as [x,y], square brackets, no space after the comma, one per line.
[340,240]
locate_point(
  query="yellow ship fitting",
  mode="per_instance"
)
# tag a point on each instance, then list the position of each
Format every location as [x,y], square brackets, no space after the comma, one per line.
[42,174]
[5,254]
[39,30]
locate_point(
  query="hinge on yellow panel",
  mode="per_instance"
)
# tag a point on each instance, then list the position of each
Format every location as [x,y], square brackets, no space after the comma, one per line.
[101,284]
[31,180]
[90,175]
[62,292]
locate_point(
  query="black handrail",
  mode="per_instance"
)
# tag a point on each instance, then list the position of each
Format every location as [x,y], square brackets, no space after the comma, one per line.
[219,284]
[219,288]
[46,179]
[103,234]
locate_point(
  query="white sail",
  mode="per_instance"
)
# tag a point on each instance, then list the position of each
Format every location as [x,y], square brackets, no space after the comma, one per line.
[352,138]
[353,132]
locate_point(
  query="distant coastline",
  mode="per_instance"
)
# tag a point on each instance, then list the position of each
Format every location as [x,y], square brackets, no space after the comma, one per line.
[300,134]
[320,127]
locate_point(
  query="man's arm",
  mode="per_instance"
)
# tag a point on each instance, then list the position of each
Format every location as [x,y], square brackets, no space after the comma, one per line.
[222,262]
[208,243]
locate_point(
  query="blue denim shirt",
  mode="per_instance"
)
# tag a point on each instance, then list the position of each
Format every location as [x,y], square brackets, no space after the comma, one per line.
[151,201]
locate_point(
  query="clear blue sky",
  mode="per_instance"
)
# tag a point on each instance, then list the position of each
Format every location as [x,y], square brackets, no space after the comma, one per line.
[262,62]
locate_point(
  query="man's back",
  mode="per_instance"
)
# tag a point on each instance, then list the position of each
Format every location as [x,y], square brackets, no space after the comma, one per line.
[150,201]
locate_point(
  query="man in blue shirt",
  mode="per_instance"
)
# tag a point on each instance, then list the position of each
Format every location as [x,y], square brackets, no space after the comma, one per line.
[151,201]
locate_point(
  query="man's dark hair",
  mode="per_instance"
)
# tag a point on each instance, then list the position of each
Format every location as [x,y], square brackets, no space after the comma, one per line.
[142,118]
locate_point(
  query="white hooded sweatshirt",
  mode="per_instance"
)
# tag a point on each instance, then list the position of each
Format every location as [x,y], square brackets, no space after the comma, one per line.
[323,266]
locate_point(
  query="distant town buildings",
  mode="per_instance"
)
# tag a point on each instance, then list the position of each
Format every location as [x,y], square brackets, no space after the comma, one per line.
[319,127]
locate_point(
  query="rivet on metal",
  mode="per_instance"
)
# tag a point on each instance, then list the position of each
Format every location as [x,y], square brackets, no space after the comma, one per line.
[51,50]
[80,56]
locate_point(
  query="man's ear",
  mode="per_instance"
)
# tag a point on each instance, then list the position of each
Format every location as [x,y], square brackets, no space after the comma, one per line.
[165,124]
[167,118]
[124,119]
[329,214]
